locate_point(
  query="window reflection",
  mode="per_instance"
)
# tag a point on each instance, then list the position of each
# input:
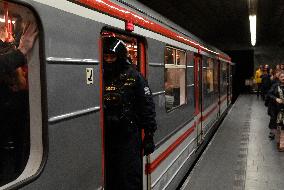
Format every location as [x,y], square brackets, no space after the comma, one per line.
[209,76]
[170,56]
[175,69]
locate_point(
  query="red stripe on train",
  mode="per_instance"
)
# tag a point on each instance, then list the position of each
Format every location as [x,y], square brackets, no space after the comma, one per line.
[151,167]
[209,113]
[117,11]
[222,100]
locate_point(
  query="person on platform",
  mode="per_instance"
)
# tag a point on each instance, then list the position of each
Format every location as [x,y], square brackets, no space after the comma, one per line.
[276,97]
[265,82]
[271,105]
[257,78]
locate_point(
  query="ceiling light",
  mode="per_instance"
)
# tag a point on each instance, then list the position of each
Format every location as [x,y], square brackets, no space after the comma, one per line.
[252,22]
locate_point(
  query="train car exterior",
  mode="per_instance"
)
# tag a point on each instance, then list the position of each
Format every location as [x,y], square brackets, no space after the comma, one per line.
[191,84]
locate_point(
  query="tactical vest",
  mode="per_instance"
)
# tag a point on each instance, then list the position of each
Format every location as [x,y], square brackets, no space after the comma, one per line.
[119,98]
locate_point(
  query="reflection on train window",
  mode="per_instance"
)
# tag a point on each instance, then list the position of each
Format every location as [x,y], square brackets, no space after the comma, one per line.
[223,78]
[175,69]
[215,77]
[14,95]
[170,56]
[180,57]
[132,51]
[208,76]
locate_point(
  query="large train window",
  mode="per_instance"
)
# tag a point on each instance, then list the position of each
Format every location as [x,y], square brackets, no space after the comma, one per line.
[175,69]
[208,74]
[20,96]
[215,76]
[223,78]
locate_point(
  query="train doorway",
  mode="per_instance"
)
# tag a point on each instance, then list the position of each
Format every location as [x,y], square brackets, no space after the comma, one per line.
[198,96]
[122,146]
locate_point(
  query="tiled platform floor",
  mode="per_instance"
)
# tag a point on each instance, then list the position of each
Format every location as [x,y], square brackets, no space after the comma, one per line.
[240,155]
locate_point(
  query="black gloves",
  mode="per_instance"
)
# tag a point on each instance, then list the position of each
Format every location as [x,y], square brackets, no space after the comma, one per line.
[148,144]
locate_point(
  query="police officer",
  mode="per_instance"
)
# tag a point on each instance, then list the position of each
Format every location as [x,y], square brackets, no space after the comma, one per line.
[128,108]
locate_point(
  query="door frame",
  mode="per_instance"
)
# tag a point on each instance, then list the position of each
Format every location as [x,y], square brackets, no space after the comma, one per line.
[198,96]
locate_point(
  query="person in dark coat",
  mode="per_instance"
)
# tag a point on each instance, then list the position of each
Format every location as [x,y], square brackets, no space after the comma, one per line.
[265,82]
[275,95]
[128,108]
[271,106]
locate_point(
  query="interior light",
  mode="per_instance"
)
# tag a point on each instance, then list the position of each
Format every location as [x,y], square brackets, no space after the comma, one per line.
[3,20]
[252,21]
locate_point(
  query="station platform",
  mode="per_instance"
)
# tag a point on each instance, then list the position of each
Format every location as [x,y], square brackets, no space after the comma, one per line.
[240,156]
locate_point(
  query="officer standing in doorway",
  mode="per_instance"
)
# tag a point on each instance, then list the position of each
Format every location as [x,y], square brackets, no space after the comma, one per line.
[128,108]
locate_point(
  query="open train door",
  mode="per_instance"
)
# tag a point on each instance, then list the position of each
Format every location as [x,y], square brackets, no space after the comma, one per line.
[136,46]
[198,96]
[219,87]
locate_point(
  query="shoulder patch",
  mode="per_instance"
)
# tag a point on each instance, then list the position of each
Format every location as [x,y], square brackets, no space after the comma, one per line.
[147,91]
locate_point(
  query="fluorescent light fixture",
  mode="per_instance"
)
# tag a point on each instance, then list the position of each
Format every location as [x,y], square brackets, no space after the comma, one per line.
[252,22]
[3,20]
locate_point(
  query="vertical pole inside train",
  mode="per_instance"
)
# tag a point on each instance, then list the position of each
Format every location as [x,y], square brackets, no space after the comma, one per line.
[6,18]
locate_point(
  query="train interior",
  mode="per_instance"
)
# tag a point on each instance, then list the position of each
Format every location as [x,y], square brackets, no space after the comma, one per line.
[15,131]
[175,72]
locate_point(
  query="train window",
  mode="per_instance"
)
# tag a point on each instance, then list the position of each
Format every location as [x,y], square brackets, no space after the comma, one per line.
[170,56]
[215,76]
[223,78]
[208,75]
[132,51]
[20,119]
[175,69]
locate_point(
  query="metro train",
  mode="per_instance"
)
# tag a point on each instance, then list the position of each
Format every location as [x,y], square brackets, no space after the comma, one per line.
[191,83]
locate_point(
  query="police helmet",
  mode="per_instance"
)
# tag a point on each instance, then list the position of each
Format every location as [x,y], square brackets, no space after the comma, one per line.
[115,46]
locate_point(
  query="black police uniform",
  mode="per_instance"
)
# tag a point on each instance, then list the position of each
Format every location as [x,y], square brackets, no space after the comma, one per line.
[128,108]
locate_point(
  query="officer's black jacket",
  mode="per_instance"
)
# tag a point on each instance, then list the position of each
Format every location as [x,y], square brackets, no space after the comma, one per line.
[136,97]
[10,61]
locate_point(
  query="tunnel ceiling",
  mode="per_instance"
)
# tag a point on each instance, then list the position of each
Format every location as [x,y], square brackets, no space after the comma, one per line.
[224,23]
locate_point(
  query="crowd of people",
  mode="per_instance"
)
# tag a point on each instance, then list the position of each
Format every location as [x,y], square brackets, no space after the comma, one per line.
[270,86]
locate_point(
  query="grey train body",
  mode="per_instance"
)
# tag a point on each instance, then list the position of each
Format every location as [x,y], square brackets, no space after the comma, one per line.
[66,130]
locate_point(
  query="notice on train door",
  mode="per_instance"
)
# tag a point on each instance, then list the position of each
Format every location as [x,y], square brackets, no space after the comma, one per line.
[90,75]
